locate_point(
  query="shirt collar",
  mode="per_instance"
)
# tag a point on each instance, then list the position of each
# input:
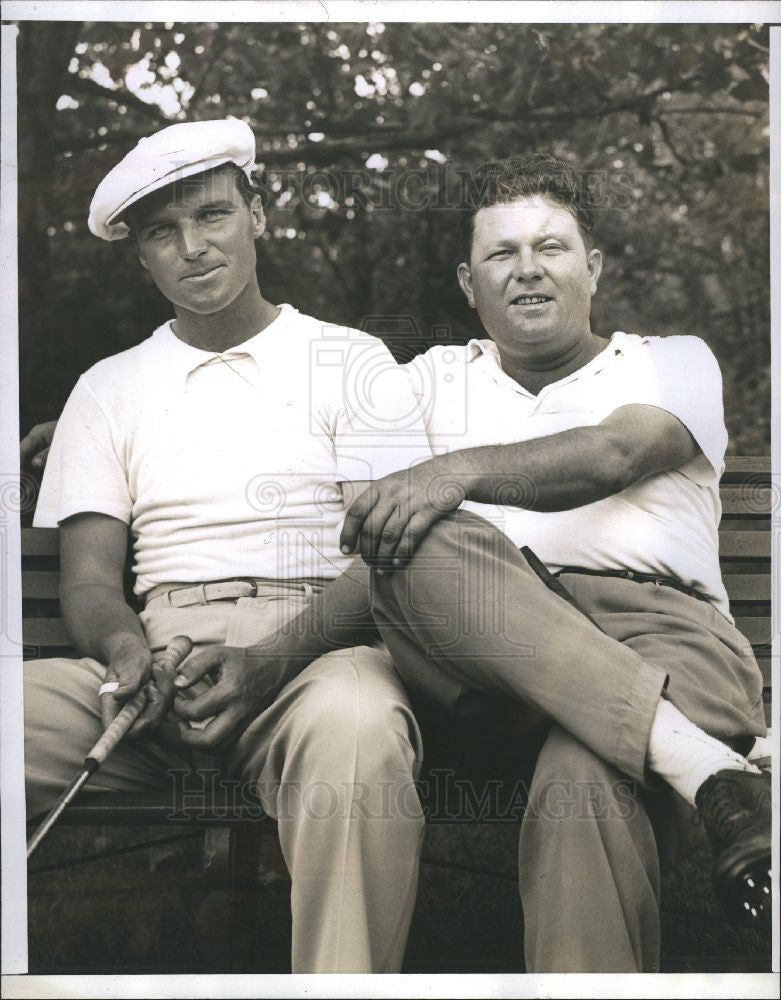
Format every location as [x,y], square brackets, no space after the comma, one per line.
[487,349]
[487,352]
[476,348]
[182,359]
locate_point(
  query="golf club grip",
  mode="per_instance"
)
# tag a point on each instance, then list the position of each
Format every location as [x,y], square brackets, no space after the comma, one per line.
[176,651]
[117,729]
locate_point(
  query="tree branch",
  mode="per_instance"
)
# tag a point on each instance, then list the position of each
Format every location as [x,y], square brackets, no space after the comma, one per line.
[757,45]
[634,103]
[89,88]
[326,152]
[710,111]
[664,129]
[393,136]
[68,144]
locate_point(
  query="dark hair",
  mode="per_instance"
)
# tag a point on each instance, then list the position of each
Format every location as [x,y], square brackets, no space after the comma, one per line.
[502,181]
[248,189]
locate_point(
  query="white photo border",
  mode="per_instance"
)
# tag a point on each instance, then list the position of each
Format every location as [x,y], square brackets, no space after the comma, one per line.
[15,981]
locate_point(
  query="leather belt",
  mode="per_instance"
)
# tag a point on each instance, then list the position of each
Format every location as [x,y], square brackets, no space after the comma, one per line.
[628,574]
[190,594]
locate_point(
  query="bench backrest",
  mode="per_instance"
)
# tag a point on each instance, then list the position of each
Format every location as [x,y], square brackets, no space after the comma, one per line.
[744,549]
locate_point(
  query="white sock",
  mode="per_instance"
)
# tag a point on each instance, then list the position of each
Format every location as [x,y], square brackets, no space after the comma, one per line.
[684,755]
[762,749]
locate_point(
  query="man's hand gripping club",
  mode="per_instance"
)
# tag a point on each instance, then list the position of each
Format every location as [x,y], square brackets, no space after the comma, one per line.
[133,669]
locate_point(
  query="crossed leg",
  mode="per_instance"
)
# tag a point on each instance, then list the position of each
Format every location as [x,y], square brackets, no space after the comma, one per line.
[468,615]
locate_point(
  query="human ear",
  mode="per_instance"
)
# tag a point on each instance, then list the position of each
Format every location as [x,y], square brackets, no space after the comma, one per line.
[258,217]
[465,281]
[594,268]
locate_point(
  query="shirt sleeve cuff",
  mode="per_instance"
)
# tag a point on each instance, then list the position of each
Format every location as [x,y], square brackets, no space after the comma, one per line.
[53,519]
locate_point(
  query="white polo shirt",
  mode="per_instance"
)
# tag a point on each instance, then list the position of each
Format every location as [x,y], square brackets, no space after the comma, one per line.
[227,464]
[666,524]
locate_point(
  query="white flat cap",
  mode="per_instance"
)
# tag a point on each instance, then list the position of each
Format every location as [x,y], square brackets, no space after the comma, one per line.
[169,155]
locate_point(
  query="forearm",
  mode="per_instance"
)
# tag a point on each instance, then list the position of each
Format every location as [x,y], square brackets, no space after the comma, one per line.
[337,618]
[99,620]
[556,472]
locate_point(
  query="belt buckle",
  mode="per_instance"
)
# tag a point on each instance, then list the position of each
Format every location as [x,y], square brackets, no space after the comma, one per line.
[253,584]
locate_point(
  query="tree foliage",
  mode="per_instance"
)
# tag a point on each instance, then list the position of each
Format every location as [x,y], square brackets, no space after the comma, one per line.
[364,133]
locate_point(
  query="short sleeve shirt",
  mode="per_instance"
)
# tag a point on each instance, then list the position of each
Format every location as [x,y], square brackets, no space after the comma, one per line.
[666,524]
[228,465]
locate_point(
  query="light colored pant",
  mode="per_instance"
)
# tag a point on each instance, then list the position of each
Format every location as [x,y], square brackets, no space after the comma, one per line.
[334,759]
[471,627]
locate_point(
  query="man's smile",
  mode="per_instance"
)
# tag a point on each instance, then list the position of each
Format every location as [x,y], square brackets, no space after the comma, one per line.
[527,299]
[202,275]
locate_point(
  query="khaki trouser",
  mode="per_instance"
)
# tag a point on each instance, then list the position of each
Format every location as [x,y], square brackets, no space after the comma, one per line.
[471,628]
[333,759]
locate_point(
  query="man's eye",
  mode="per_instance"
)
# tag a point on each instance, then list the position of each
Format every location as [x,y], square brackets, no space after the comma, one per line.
[552,248]
[159,232]
[212,214]
[499,254]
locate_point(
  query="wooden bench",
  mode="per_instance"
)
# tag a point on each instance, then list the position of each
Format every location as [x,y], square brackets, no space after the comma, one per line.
[231,845]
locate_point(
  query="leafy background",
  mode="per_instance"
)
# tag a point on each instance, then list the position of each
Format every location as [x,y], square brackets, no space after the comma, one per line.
[363,133]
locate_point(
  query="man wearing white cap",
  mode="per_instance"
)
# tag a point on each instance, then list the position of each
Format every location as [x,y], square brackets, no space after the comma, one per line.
[226,444]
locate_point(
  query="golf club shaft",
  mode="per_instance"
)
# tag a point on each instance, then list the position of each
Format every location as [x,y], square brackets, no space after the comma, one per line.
[67,796]
[175,652]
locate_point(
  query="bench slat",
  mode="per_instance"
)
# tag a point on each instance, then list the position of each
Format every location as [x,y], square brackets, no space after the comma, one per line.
[748,586]
[40,541]
[744,545]
[219,807]
[44,632]
[765,664]
[51,631]
[41,585]
[757,630]
[739,469]
[746,501]
[44,585]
